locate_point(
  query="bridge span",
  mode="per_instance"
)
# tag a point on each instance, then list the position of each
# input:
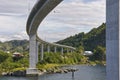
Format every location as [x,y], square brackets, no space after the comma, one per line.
[40,10]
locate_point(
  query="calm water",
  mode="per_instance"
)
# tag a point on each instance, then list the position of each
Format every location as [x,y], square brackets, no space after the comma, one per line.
[84,73]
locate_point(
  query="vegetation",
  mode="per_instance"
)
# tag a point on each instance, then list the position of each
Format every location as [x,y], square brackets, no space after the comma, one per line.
[3,56]
[67,58]
[10,65]
[99,54]
[14,46]
[91,41]
[96,37]
[51,60]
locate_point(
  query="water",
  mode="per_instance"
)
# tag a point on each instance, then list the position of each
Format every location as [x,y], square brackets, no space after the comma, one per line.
[84,73]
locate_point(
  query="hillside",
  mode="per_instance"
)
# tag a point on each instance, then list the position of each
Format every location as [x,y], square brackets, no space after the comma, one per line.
[90,40]
[14,45]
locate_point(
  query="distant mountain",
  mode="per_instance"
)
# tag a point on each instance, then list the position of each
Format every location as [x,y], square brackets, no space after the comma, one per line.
[14,45]
[90,40]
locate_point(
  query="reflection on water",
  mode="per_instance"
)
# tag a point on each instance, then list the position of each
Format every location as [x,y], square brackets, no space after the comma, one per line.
[84,73]
[33,78]
[73,78]
[39,78]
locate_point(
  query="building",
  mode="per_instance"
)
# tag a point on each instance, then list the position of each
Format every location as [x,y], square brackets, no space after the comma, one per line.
[88,53]
[17,54]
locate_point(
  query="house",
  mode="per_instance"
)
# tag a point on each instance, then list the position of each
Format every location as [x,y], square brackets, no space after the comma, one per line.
[17,54]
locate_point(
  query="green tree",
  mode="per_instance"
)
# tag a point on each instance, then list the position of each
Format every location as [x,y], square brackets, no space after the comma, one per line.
[3,56]
[80,49]
[99,53]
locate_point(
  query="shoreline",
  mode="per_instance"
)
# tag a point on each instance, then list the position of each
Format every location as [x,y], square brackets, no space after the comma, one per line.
[56,69]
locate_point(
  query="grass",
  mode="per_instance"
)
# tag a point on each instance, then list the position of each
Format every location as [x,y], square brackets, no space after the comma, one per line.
[47,66]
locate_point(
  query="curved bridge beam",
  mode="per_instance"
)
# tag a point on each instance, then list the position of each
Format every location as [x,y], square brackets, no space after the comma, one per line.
[39,14]
[54,44]
[37,6]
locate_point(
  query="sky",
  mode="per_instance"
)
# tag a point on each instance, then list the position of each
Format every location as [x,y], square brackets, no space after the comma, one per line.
[70,17]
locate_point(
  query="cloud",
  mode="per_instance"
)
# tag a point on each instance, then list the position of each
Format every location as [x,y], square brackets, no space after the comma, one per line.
[68,18]
[13,18]
[16,6]
[78,11]
[19,36]
[72,17]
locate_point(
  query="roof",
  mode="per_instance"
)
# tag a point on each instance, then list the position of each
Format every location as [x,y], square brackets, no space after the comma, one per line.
[88,53]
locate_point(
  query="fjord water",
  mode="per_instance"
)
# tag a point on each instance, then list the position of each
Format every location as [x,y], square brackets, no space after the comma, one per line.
[84,73]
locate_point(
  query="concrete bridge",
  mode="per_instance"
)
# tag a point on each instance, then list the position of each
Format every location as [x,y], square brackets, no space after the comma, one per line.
[38,13]
[43,7]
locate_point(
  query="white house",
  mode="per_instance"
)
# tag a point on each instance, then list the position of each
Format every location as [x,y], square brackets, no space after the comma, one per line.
[17,54]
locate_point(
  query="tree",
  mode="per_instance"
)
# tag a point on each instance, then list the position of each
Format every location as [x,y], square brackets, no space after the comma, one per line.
[99,53]
[3,56]
[80,49]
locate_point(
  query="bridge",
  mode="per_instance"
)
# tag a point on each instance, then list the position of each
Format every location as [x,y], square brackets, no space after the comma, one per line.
[43,7]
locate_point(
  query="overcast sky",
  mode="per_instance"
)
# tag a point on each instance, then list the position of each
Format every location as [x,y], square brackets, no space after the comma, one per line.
[68,18]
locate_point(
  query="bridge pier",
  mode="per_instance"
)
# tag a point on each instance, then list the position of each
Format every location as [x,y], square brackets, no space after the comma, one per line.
[32,56]
[71,51]
[48,48]
[55,49]
[37,45]
[113,39]
[61,50]
[67,50]
[42,52]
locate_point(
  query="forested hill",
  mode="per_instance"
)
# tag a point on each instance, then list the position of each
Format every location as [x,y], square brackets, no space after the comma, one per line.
[14,45]
[90,40]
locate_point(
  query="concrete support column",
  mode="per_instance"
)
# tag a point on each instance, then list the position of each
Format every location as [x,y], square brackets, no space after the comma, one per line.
[113,39]
[61,50]
[71,51]
[55,49]
[32,55]
[67,50]
[42,52]
[37,45]
[48,48]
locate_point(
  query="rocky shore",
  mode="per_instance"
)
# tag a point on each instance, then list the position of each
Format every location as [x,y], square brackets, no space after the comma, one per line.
[49,71]
[16,73]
